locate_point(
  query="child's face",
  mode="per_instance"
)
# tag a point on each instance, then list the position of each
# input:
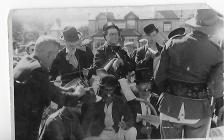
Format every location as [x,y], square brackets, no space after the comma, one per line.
[107,91]
[143,88]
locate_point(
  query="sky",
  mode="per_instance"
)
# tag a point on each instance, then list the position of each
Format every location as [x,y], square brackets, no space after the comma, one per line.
[80,16]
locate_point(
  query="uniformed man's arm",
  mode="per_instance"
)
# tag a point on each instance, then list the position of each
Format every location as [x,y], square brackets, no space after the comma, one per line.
[162,72]
[215,81]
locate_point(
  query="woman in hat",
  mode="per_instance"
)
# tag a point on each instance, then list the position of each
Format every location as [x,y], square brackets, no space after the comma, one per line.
[110,118]
[71,60]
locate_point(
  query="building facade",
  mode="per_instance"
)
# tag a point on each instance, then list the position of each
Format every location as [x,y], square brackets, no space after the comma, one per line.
[132,26]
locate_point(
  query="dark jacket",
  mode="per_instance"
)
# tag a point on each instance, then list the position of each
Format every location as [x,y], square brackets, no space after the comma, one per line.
[190,59]
[62,125]
[105,53]
[32,92]
[135,107]
[93,116]
[61,66]
[143,60]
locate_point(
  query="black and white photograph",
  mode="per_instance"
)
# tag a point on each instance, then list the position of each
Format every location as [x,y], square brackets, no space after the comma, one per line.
[116,72]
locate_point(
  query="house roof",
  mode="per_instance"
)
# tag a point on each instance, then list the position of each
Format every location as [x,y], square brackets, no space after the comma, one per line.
[131,14]
[124,32]
[167,14]
[107,15]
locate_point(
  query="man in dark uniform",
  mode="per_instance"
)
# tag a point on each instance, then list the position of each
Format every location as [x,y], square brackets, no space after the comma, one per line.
[71,61]
[33,91]
[108,52]
[189,75]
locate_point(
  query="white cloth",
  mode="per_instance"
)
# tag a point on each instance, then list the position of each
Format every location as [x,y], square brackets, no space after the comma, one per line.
[145,111]
[126,90]
[108,117]
[180,119]
[71,57]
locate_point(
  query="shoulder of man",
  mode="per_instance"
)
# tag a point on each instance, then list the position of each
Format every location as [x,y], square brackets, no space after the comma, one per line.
[25,67]
[215,45]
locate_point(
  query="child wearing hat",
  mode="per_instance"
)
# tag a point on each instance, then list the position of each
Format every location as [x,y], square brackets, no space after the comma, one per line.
[141,106]
[111,117]
[72,59]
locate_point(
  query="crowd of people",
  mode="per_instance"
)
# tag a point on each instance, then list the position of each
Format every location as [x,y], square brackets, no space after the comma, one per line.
[151,92]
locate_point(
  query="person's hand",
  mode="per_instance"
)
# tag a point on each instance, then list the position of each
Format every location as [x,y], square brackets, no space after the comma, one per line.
[122,124]
[118,62]
[138,118]
[90,96]
[79,91]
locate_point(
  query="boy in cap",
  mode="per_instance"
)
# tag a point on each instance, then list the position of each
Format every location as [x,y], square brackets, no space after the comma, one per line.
[190,75]
[109,117]
[139,106]
[71,60]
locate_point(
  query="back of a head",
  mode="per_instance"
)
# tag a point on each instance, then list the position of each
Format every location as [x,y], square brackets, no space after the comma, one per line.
[109,80]
[42,46]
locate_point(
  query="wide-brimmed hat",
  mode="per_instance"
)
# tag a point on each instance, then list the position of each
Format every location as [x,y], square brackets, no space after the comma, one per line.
[206,20]
[177,31]
[142,75]
[150,28]
[70,34]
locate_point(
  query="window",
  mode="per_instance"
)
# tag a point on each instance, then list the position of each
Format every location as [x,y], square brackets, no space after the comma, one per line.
[131,24]
[167,26]
[130,39]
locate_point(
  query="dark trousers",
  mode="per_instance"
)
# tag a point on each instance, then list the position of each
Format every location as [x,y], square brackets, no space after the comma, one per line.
[170,130]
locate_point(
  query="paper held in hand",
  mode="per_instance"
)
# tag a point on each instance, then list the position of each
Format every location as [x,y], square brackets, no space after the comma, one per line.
[126,90]
[152,119]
